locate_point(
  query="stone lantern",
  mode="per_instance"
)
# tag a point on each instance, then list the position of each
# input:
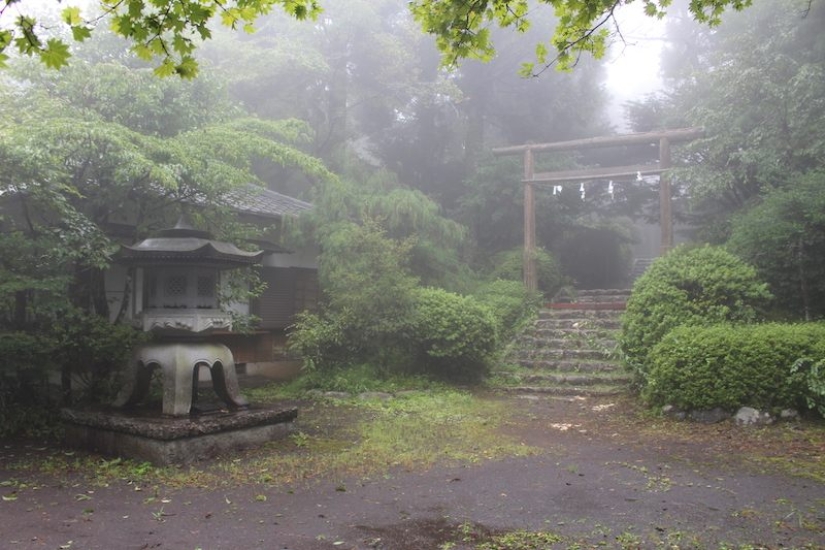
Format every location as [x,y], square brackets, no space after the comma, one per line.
[181,276]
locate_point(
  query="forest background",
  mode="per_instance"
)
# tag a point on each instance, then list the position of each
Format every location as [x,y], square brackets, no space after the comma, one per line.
[356,113]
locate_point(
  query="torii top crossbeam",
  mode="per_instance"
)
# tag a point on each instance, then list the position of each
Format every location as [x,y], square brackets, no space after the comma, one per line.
[664,138]
[604,172]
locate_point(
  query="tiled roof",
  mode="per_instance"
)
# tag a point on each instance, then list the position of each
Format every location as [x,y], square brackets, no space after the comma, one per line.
[253,199]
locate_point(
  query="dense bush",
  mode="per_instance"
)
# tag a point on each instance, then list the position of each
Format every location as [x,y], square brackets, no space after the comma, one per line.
[689,286]
[86,350]
[695,368]
[92,352]
[24,395]
[512,304]
[321,341]
[509,265]
[368,303]
[453,336]
[375,315]
[788,252]
[445,335]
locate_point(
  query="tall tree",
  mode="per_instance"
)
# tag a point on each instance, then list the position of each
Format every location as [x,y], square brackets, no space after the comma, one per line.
[75,182]
[756,85]
[171,29]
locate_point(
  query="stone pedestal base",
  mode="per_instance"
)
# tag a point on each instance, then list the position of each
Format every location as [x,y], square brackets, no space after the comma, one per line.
[167,441]
[179,363]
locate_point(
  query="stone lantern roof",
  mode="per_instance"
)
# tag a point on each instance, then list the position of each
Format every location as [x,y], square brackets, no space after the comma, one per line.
[181,268]
[183,244]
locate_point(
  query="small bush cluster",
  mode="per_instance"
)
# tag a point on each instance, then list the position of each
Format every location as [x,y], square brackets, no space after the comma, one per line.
[766,366]
[688,287]
[87,350]
[453,336]
[509,265]
[512,304]
[24,391]
[376,314]
[443,335]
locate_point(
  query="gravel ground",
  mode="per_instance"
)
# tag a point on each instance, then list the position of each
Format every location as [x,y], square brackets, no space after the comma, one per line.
[604,479]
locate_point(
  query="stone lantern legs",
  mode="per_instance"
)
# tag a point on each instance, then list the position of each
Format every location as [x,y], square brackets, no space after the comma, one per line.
[178,362]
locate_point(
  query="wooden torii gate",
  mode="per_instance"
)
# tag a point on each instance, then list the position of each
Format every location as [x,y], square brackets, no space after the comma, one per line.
[531,179]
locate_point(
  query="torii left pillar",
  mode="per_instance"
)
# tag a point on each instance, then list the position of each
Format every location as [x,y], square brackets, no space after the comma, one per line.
[530,271]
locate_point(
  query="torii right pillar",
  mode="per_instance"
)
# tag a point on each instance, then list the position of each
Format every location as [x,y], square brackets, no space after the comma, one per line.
[665,206]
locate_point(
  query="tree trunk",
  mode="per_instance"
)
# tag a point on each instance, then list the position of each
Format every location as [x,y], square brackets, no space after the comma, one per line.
[21,303]
[65,385]
[127,295]
[87,291]
[803,282]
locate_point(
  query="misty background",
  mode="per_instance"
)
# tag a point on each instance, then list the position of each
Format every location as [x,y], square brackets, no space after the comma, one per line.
[381,112]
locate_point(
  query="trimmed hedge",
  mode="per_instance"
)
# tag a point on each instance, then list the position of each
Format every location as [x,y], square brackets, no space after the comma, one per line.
[690,286]
[444,335]
[699,368]
[454,336]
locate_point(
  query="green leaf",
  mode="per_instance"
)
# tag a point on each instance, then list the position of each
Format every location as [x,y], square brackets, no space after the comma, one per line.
[81,33]
[187,68]
[167,68]
[55,54]
[71,16]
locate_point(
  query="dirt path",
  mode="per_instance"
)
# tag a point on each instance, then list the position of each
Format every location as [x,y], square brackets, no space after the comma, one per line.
[606,477]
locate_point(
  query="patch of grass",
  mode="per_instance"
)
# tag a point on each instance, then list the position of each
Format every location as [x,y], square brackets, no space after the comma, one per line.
[353,380]
[76,468]
[366,437]
[521,540]
[425,427]
[629,541]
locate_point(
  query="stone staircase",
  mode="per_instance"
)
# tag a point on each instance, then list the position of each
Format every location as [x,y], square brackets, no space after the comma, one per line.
[640,265]
[570,349]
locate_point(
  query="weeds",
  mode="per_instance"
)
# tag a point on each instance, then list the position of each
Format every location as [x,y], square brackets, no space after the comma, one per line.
[521,540]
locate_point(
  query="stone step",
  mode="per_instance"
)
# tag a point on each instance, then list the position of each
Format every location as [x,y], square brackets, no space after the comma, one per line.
[562,339]
[572,333]
[525,346]
[570,348]
[640,265]
[565,365]
[602,296]
[578,323]
[589,391]
[547,354]
[568,379]
[579,314]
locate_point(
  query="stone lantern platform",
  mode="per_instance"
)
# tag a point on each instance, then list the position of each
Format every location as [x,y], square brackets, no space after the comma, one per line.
[172,441]
[181,273]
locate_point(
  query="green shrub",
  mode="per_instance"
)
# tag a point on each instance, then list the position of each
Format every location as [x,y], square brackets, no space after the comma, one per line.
[87,350]
[689,286]
[810,374]
[25,400]
[453,336]
[512,304]
[93,351]
[509,265]
[788,252]
[368,304]
[319,341]
[728,366]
